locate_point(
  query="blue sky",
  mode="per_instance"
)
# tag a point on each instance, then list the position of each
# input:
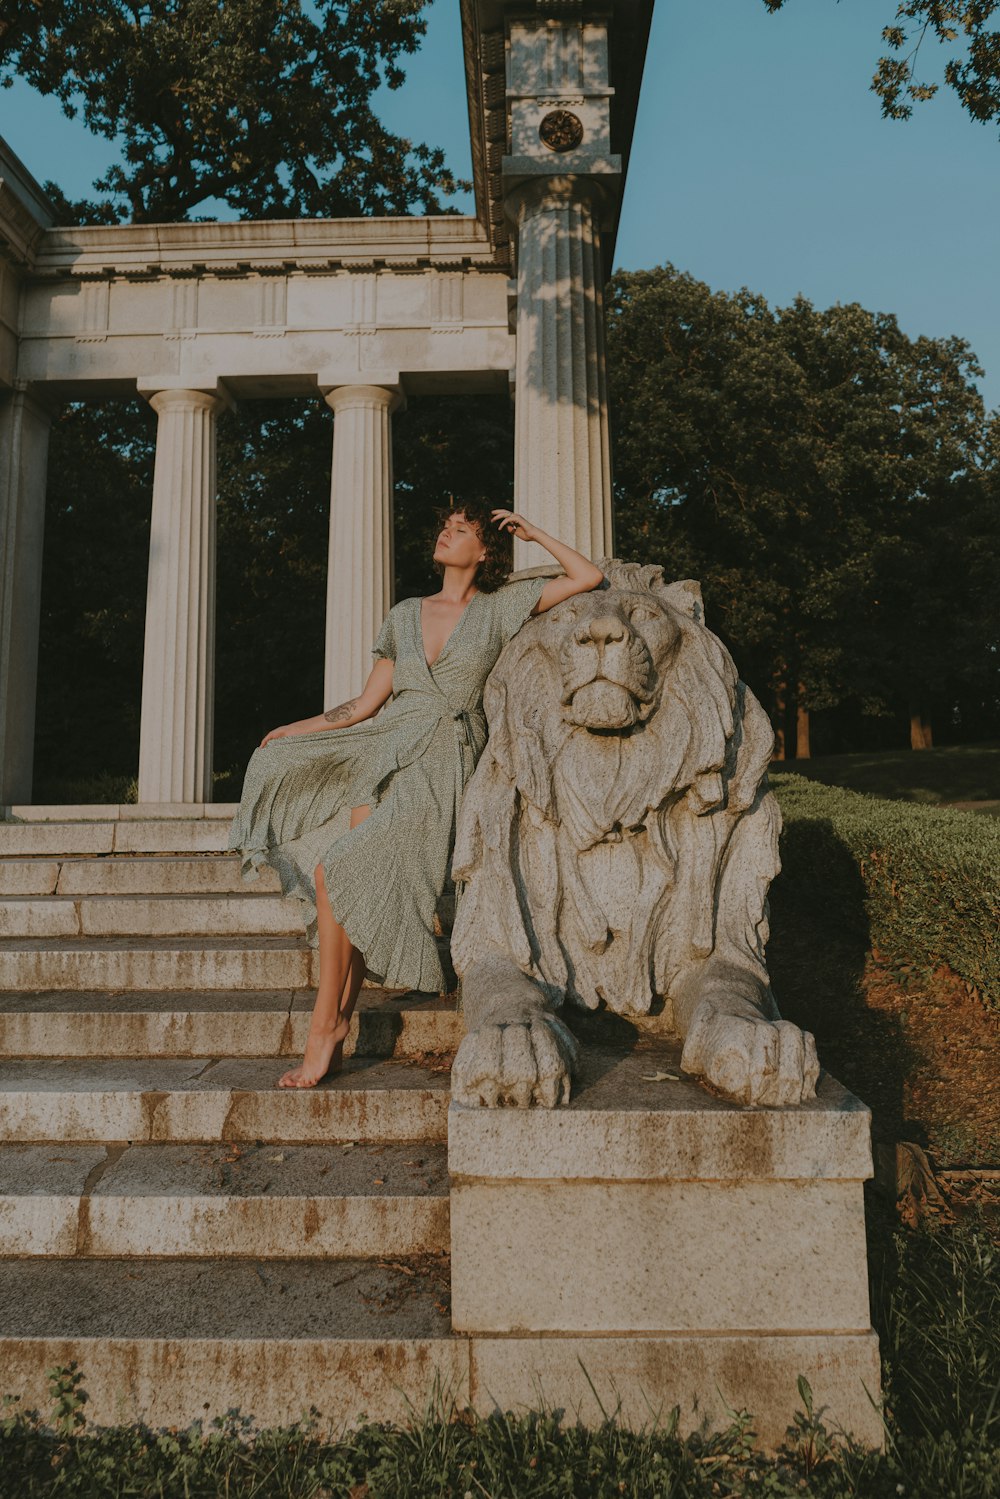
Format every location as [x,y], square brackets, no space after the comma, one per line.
[760,159]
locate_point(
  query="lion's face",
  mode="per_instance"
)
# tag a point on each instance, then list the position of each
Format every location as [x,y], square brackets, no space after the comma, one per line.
[613,648]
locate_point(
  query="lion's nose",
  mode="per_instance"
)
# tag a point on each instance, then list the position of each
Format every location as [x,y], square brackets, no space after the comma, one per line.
[603,629]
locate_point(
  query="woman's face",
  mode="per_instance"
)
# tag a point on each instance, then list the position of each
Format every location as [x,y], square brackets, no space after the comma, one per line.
[459,543]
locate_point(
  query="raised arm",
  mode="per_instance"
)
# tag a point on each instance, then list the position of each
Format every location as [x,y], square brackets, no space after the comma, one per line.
[580,574]
[376,691]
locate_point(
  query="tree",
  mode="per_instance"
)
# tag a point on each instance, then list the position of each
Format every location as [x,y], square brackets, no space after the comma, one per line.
[785,458]
[974,76]
[264,105]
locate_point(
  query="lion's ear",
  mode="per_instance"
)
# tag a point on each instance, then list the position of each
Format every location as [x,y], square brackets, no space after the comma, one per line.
[685,597]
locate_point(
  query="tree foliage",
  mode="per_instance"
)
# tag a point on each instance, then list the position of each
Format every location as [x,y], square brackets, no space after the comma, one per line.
[974,74]
[823,475]
[265,106]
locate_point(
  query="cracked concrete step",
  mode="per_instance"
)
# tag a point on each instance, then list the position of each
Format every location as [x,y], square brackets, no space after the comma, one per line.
[207,1100]
[150,916]
[133,874]
[129,963]
[270,1023]
[176,835]
[166,1341]
[253,1201]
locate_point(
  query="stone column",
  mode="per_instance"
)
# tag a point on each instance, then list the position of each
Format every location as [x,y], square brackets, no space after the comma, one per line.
[178,670]
[24,452]
[359,576]
[562,469]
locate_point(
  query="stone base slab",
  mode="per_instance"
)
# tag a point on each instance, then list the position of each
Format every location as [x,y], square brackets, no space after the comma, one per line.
[174,1381]
[688,1251]
[639,1380]
[640,1257]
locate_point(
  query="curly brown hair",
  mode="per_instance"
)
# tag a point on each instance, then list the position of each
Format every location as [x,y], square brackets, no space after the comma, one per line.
[492,573]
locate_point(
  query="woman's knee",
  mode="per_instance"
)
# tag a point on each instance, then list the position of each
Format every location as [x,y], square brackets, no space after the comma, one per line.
[358,814]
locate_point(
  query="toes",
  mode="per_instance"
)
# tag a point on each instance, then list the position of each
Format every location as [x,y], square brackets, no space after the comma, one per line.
[476,1071]
[519,1072]
[791,1061]
[728,1054]
[547,1092]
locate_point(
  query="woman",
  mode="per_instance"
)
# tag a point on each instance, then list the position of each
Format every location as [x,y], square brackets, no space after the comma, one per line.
[371,893]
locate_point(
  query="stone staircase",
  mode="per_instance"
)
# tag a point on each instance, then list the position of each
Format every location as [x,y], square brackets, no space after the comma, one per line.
[194,1238]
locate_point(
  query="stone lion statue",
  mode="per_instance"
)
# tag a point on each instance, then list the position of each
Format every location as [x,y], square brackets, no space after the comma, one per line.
[616,843]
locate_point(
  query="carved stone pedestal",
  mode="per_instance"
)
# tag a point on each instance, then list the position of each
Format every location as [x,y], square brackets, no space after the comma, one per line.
[681,1249]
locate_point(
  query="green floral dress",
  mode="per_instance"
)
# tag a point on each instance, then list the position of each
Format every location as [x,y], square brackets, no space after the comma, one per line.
[410,764]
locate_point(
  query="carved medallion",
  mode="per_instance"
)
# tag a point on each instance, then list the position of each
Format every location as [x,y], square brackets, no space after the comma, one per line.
[561,130]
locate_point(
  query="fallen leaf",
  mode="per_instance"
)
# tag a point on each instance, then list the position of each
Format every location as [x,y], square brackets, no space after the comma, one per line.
[660,1077]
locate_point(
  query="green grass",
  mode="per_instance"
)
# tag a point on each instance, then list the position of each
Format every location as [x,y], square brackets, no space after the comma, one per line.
[936,1306]
[959,773]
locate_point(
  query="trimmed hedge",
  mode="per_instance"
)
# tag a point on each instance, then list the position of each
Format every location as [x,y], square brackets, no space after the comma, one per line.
[923,882]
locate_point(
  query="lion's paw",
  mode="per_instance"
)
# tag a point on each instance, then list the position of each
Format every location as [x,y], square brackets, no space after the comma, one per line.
[752,1060]
[519,1062]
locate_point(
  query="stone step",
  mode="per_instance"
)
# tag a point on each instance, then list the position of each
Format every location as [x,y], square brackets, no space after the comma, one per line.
[208,1099]
[255,1201]
[116,811]
[177,963]
[133,874]
[270,1023]
[150,916]
[169,835]
[166,1341]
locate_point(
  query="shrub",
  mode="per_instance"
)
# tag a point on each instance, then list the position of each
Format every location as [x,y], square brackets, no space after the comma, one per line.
[915,885]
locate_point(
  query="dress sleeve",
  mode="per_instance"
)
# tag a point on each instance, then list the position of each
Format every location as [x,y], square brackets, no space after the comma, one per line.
[385,645]
[515,601]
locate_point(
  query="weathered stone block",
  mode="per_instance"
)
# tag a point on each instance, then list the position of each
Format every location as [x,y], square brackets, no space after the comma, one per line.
[687,1249]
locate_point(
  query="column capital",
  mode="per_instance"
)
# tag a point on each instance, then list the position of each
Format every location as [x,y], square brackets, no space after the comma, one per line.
[388,397]
[527,192]
[175,393]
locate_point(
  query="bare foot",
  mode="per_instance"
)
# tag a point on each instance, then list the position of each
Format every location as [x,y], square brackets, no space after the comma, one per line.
[324,1055]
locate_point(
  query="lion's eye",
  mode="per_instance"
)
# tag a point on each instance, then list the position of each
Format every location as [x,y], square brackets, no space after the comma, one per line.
[641,613]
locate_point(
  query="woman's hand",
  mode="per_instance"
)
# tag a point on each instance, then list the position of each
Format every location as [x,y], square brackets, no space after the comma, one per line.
[289,730]
[283,732]
[509,520]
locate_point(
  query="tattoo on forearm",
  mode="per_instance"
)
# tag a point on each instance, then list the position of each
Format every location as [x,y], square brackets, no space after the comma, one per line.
[341,713]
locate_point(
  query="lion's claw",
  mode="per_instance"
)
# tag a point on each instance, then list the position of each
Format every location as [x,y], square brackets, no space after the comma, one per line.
[518,1062]
[752,1060]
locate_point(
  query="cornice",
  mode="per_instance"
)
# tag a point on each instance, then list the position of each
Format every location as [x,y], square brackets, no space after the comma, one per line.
[25,211]
[269,246]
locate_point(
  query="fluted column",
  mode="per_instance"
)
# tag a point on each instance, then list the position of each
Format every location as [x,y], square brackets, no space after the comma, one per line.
[359,576]
[178,670]
[24,452]
[562,469]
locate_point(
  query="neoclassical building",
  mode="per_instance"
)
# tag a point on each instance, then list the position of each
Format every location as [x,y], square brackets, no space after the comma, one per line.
[358,312]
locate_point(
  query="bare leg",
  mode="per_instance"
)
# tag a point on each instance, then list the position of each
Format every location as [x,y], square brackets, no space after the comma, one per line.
[341,973]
